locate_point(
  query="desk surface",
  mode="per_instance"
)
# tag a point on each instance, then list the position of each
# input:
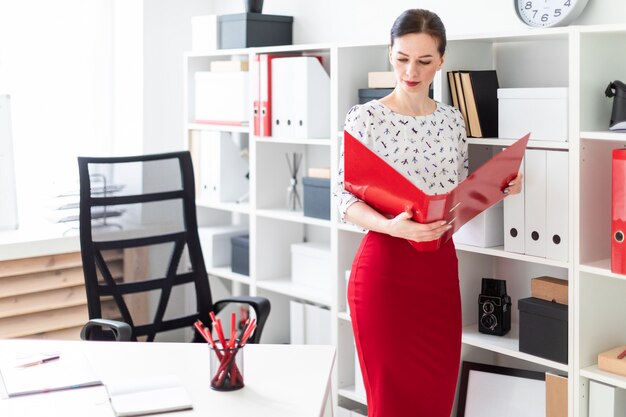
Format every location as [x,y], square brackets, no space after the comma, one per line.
[281,380]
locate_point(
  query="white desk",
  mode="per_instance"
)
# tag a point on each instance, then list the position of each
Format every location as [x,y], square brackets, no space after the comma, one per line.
[280,380]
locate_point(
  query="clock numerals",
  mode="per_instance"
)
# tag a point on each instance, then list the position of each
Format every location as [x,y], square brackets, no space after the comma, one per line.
[529,5]
[557,12]
[567,3]
[548,13]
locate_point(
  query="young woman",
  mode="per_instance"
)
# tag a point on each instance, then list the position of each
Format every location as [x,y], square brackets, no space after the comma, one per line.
[405,304]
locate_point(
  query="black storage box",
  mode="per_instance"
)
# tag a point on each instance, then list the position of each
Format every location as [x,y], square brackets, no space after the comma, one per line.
[240,254]
[369,94]
[316,197]
[245,30]
[543,329]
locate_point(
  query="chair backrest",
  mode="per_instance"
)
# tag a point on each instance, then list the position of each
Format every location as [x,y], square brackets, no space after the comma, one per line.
[141,208]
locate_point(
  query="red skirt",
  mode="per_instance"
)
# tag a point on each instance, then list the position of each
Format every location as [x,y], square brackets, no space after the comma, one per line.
[406,317]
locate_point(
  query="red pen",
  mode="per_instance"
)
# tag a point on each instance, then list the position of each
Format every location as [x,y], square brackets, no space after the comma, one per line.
[622,355]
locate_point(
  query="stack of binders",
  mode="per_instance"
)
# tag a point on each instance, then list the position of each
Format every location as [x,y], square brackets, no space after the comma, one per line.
[291,96]
[536,220]
[475,94]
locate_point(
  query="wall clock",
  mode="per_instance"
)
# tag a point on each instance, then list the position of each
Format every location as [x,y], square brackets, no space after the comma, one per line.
[547,13]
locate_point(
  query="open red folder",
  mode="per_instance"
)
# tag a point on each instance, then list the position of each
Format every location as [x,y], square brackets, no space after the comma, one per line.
[372,180]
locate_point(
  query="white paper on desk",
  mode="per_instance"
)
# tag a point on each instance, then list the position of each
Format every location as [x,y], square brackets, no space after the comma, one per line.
[71,370]
[141,396]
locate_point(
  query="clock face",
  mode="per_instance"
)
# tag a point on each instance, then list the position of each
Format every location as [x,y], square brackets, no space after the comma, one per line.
[546,13]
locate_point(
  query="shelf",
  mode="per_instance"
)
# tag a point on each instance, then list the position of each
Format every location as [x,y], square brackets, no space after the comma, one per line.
[602,267]
[350,228]
[349,392]
[293,141]
[286,287]
[233,207]
[344,316]
[501,253]
[226,272]
[217,53]
[218,128]
[292,216]
[292,48]
[594,373]
[506,345]
[604,135]
[536,144]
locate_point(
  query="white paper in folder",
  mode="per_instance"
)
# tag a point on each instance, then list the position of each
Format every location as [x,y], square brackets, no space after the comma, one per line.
[300,98]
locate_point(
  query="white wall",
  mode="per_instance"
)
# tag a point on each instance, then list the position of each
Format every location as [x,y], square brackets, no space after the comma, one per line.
[362,21]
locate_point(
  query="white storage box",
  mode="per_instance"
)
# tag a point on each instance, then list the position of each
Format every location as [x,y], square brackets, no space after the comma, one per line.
[540,111]
[215,242]
[204,33]
[222,97]
[310,265]
[485,230]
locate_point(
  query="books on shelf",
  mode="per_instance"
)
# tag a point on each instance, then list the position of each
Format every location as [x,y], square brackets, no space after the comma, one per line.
[475,94]
[141,396]
[377,183]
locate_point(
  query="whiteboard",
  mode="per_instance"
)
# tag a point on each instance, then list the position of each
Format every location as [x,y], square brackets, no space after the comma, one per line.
[8,201]
[493,391]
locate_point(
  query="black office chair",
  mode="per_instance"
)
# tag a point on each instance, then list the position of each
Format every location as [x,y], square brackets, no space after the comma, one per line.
[143,208]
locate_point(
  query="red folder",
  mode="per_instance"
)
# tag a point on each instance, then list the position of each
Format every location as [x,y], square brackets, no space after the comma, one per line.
[256,103]
[265,92]
[618,212]
[374,181]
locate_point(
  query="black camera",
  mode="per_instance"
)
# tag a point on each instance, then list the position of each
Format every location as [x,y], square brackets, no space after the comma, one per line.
[494,308]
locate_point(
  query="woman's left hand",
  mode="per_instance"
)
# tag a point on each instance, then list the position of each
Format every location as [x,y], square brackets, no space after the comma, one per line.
[515,185]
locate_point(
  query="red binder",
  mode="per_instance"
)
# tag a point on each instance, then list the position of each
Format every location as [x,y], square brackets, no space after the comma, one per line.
[374,181]
[618,212]
[265,92]
[256,103]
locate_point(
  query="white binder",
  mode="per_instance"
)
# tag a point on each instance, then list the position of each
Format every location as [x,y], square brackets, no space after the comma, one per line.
[223,168]
[316,325]
[484,230]
[606,400]
[300,98]
[535,203]
[557,196]
[514,220]
[296,322]
[281,97]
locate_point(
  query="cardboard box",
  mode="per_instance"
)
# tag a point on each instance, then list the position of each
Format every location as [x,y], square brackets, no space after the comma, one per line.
[556,395]
[215,242]
[316,197]
[381,79]
[485,230]
[245,30]
[543,329]
[204,33]
[541,111]
[606,400]
[607,361]
[549,289]
[310,265]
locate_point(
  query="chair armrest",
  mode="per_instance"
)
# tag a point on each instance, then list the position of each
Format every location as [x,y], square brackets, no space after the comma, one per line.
[260,305]
[108,330]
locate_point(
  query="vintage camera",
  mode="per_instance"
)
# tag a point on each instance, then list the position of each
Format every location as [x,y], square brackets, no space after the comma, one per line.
[494,308]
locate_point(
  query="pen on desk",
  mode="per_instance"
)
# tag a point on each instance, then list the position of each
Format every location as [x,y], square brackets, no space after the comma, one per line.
[622,355]
[38,362]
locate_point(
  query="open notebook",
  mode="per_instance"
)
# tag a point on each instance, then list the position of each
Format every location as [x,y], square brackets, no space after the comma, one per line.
[142,396]
[40,372]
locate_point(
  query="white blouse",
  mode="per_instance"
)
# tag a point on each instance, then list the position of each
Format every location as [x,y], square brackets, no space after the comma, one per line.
[430,151]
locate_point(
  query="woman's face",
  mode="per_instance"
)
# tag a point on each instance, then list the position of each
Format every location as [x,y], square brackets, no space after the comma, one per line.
[415,60]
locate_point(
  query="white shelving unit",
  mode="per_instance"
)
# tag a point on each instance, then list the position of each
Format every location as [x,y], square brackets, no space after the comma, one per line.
[583,59]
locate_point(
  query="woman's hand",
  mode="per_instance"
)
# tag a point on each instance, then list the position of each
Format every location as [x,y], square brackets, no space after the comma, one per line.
[515,186]
[404,227]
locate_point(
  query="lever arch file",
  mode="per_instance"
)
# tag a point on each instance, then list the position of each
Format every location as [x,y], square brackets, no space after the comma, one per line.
[374,181]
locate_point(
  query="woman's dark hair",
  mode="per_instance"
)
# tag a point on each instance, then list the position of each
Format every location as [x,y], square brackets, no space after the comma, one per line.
[420,21]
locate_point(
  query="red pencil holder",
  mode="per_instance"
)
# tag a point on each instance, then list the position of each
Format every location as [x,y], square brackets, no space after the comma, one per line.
[226,367]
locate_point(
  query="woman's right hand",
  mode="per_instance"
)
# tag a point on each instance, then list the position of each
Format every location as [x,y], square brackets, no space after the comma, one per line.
[405,227]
